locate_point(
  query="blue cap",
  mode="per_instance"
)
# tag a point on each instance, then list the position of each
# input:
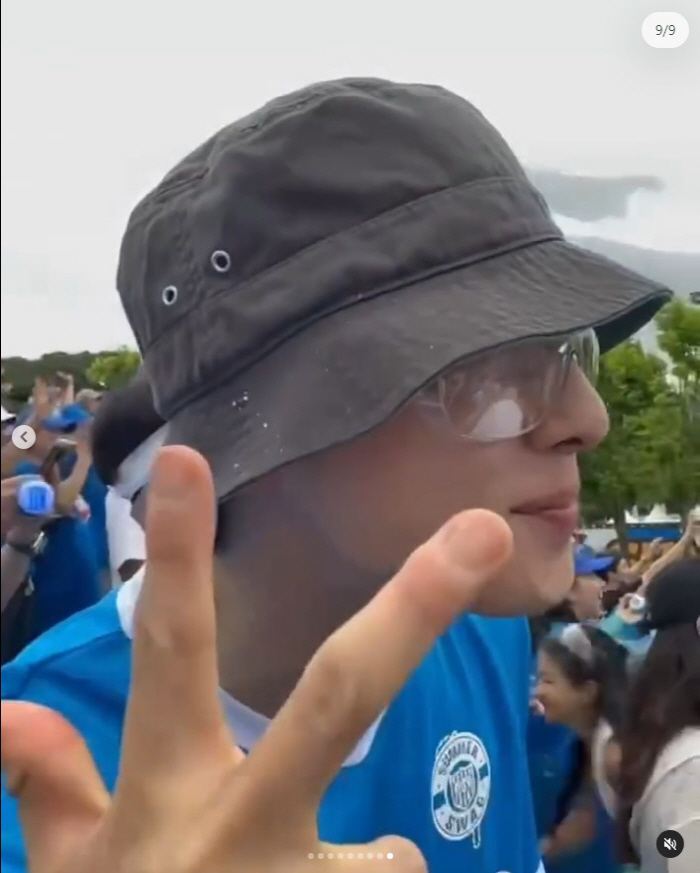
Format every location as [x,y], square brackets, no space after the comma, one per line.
[67,419]
[585,563]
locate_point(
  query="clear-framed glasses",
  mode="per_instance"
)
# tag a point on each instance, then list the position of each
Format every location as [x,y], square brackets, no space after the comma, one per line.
[507,392]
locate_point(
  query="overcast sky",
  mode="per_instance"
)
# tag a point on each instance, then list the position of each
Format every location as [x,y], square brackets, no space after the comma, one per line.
[100,100]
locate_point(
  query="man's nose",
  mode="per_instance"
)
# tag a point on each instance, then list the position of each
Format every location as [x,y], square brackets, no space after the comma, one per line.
[578,422]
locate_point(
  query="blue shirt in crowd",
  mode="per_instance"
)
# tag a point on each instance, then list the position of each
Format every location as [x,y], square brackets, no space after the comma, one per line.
[553,761]
[66,573]
[445,766]
[94,492]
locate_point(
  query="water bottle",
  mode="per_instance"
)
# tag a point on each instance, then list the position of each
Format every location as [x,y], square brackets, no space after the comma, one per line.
[36,497]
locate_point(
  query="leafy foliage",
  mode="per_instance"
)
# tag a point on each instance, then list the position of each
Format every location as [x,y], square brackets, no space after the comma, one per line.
[89,370]
[114,369]
[19,373]
[652,454]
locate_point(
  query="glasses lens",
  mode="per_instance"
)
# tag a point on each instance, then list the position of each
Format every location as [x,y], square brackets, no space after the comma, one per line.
[586,352]
[507,392]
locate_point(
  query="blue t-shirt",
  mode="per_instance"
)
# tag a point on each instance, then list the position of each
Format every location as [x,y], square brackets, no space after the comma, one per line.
[552,760]
[446,766]
[94,492]
[66,574]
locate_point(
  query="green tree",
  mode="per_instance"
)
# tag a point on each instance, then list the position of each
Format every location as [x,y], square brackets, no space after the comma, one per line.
[113,369]
[19,373]
[631,382]
[679,338]
[668,464]
[652,454]
[674,423]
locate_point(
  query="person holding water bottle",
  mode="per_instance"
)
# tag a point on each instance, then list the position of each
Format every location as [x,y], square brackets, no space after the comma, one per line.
[28,503]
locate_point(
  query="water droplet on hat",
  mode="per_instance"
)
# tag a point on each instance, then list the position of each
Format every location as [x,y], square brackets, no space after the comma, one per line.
[241,401]
[264,424]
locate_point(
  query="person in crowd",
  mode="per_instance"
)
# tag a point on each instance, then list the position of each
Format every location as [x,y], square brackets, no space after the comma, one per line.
[616,585]
[581,543]
[66,421]
[20,530]
[645,560]
[624,622]
[584,600]
[39,409]
[64,389]
[581,685]
[658,780]
[89,400]
[65,571]
[554,749]
[360,324]
[125,439]
[22,540]
[687,546]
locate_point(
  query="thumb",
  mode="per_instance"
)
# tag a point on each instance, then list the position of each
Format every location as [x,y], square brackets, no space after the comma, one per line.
[50,772]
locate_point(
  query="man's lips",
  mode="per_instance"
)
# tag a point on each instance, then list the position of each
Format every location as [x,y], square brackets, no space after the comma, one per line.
[561,509]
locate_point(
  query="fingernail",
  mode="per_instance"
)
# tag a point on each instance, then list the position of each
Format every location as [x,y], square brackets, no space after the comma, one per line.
[476,539]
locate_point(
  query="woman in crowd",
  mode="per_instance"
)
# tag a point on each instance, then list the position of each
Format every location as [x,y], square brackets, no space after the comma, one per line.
[659,775]
[554,750]
[581,686]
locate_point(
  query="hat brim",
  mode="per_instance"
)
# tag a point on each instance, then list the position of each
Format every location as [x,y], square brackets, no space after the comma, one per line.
[344,374]
[592,565]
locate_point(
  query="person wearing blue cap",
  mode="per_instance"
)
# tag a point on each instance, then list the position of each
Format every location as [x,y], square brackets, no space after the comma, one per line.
[586,595]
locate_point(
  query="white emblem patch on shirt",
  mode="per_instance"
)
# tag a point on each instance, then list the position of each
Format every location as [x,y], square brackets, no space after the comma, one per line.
[460,787]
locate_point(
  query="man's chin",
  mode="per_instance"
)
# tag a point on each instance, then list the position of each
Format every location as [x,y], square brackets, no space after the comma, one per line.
[521,603]
[517,592]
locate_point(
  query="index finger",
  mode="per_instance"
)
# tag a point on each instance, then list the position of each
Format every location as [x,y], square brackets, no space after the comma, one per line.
[174,708]
[361,667]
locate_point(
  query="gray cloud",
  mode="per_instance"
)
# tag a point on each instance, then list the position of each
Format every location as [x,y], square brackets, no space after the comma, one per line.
[591,198]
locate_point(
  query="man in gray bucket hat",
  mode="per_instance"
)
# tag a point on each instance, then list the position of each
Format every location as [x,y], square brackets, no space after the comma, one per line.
[355,308]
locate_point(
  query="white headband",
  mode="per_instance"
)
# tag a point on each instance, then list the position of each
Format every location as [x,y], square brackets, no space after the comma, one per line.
[135,470]
[577,642]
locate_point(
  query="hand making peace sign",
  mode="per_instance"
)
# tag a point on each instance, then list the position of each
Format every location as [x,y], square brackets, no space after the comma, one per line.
[187,800]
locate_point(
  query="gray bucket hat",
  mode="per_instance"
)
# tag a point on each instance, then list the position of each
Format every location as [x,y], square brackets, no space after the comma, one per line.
[297,278]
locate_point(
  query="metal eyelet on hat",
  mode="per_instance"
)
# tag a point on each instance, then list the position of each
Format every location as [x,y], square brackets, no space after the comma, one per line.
[220,261]
[169,295]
